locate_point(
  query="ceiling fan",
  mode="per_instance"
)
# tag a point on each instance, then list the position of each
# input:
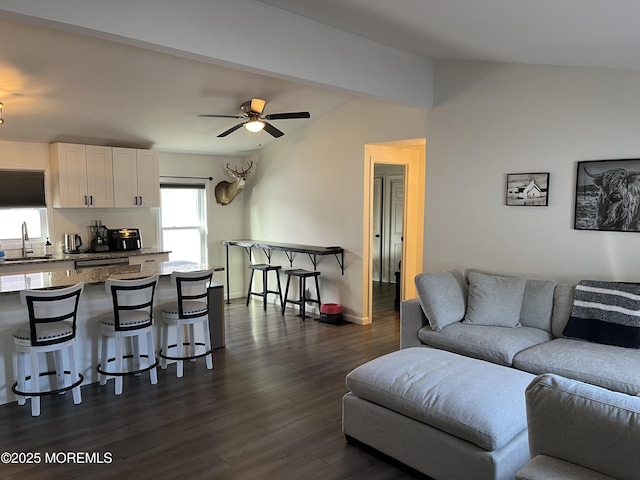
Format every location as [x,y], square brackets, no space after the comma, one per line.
[254,120]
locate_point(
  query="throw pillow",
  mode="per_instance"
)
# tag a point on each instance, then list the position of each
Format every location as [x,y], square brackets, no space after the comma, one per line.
[494,300]
[606,312]
[443,297]
[537,302]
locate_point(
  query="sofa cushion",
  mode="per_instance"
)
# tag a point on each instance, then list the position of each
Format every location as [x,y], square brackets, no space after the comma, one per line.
[443,297]
[537,302]
[615,368]
[494,300]
[494,344]
[476,401]
[584,425]
[562,304]
[606,312]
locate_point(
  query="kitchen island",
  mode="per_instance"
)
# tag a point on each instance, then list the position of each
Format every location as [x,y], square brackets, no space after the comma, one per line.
[95,302]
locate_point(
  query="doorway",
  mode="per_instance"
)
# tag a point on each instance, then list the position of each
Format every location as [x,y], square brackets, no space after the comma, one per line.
[387,239]
[408,218]
[388,219]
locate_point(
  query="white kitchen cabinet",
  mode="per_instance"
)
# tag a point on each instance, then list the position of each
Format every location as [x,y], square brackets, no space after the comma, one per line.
[136,177]
[83,176]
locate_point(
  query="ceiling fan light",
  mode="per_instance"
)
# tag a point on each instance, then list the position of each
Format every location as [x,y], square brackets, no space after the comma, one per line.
[254,125]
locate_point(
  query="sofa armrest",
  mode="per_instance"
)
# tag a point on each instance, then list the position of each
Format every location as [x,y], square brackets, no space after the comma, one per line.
[412,319]
[584,425]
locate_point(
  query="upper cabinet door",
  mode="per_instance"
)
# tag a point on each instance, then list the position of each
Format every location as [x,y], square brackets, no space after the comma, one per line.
[100,176]
[69,168]
[148,170]
[125,177]
[136,178]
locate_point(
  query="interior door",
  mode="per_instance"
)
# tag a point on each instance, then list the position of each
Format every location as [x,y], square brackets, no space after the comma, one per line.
[378,215]
[396,228]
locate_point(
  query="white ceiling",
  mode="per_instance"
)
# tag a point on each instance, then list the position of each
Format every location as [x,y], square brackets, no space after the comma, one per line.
[59,86]
[588,33]
[62,86]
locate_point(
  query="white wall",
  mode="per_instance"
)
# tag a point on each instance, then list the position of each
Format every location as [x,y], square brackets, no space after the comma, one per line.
[308,188]
[494,119]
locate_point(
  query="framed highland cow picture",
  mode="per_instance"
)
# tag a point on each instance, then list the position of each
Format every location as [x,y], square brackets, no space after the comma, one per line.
[608,195]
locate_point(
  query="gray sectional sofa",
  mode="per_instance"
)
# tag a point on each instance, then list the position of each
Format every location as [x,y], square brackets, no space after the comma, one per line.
[535,344]
[451,402]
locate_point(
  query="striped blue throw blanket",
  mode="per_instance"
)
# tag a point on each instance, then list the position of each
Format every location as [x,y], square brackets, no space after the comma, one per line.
[606,312]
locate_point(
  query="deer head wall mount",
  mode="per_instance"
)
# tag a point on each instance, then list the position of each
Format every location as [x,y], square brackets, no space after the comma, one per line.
[227,191]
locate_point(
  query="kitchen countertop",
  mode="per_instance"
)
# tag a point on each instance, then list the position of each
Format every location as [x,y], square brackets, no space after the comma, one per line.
[93,276]
[71,257]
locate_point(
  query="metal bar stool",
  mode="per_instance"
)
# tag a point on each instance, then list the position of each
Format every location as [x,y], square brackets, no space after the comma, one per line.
[190,309]
[52,328]
[132,318]
[303,299]
[265,269]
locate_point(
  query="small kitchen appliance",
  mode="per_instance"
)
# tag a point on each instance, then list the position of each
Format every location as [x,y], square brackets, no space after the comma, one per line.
[124,239]
[99,240]
[72,243]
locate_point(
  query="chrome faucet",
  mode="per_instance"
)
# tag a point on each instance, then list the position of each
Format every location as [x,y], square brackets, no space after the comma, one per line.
[25,237]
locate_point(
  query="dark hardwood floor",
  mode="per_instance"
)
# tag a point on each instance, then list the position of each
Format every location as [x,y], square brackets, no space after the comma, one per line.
[270,409]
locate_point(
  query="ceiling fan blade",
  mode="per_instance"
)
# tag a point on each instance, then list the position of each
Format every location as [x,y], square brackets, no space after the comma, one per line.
[221,116]
[257,105]
[273,131]
[283,116]
[231,130]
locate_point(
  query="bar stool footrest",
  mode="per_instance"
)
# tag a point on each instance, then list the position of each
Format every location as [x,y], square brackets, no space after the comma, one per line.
[186,357]
[57,391]
[128,372]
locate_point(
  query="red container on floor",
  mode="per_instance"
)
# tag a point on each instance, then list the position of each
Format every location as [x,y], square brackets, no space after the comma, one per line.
[331,312]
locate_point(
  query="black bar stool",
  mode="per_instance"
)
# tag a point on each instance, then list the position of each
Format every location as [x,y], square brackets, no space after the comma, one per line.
[51,328]
[265,269]
[302,279]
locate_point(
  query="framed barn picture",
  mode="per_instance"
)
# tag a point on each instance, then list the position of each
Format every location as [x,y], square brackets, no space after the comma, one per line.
[608,195]
[528,189]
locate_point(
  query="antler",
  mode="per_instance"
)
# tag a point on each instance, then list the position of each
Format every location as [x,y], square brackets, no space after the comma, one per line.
[236,172]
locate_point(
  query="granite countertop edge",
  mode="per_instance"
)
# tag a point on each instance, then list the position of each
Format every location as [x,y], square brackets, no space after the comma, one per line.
[95,275]
[71,257]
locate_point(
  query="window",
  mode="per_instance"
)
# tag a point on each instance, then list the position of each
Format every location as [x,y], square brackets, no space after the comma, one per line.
[182,221]
[11,225]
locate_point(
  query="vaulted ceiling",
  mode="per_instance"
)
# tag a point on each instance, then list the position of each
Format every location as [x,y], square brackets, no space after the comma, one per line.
[75,81]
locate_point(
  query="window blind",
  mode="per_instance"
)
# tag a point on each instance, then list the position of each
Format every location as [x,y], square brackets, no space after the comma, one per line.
[20,189]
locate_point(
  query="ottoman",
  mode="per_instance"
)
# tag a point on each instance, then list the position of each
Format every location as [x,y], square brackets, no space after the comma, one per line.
[443,414]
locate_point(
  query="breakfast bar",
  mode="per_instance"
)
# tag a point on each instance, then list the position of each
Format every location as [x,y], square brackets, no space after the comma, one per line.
[93,303]
[289,249]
